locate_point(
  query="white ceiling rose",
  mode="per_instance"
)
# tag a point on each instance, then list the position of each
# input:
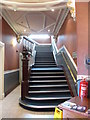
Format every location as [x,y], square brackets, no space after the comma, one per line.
[32,5]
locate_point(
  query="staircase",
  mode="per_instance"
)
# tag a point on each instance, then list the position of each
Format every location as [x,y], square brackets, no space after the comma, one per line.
[48,86]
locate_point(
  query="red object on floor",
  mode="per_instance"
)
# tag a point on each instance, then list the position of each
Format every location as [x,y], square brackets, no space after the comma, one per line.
[83,91]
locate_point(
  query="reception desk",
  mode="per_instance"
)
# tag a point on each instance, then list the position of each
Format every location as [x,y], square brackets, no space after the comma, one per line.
[69,113]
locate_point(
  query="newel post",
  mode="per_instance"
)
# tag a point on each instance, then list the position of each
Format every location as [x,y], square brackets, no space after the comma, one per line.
[24,84]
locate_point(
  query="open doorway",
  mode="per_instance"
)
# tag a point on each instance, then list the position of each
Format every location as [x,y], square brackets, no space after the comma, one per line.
[1,70]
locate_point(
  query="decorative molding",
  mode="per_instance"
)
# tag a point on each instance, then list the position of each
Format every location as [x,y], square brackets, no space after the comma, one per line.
[10,71]
[18,28]
[60,23]
[7,19]
[31,5]
[57,20]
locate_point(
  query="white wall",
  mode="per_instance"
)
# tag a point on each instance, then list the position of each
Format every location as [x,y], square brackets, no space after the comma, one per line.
[1,70]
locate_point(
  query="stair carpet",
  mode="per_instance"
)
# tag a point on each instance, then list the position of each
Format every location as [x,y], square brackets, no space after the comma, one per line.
[47,84]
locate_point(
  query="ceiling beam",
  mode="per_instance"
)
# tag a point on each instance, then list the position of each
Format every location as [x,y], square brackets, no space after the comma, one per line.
[57,20]
[46,27]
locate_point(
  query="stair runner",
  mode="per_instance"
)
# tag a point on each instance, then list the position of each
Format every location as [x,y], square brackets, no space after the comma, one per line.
[48,86]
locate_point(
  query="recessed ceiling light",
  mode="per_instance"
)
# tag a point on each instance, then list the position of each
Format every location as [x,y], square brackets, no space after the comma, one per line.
[49,30]
[15,10]
[52,10]
[25,30]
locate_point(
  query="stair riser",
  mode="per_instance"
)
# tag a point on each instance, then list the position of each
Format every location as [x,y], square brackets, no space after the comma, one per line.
[36,66]
[45,63]
[35,70]
[33,74]
[48,83]
[59,78]
[44,55]
[47,93]
[47,88]
[43,60]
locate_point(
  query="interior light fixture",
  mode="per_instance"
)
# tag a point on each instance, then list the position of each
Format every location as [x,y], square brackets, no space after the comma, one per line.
[39,36]
[15,10]
[52,10]
[25,30]
[14,42]
[49,30]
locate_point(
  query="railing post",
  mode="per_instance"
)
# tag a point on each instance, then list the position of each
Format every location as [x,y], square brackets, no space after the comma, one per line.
[24,84]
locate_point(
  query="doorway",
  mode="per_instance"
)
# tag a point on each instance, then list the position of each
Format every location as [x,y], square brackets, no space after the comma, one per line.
[1,70]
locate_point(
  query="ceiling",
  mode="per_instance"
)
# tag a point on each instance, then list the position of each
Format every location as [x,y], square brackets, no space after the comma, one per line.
[46,20]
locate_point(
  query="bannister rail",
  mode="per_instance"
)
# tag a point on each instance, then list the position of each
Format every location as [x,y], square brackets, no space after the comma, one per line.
[28,53]
[28,40]
[68,67]
[62,57]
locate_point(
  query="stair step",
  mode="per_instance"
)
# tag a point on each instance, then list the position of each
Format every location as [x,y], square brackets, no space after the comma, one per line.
[48,86]
[47,73]
[44,56]
[47,98]
[52,91]
[45,69]
[45,65]
[47,83]
[40,81]
[47,77]
[44,61]
[40,105]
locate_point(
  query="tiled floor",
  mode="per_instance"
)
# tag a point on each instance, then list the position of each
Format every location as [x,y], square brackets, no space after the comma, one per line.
[11,109]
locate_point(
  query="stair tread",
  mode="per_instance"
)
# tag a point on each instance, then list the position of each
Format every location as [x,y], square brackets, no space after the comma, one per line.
[47,76]
[52,91]
[45,61]
[47,98]
[45,65]
[41,106]
[46,73]
[53,68]
[48,81]
[48,85]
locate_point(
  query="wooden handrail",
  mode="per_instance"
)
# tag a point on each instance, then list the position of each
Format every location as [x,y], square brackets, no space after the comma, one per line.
[28,40]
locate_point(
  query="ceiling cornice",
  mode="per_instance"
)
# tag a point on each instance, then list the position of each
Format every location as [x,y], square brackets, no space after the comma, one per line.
[61,21]
[8,20]
[31,5]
